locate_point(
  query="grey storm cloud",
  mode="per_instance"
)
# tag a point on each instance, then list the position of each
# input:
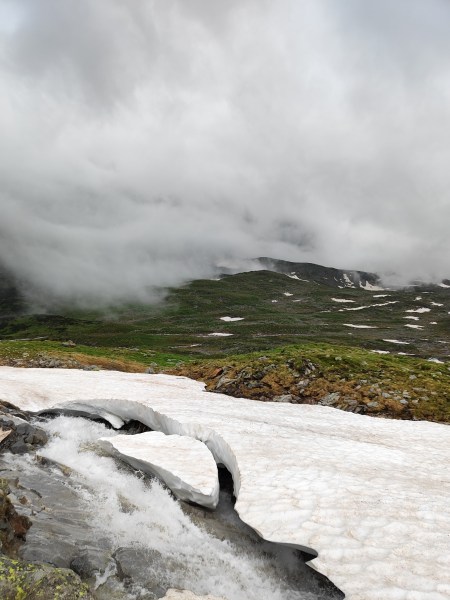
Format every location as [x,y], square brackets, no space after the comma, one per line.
[144,142]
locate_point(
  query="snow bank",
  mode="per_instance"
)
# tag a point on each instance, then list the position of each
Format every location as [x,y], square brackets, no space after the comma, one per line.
[185,465]
[369,495]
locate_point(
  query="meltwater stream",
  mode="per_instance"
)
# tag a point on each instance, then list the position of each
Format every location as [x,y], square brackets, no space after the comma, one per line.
[141,540]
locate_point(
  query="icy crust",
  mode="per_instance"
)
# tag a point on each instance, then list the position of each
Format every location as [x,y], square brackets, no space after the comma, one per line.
[371,496]
[183,463]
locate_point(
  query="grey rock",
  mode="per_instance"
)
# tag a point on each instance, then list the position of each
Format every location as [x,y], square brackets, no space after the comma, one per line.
[283,398]
[19,447]
[330,399]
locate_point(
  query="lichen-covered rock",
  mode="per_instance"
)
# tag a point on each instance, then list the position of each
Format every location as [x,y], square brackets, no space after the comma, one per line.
[38,581]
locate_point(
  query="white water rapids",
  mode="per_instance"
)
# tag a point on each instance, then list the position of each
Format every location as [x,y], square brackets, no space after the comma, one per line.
[154,521]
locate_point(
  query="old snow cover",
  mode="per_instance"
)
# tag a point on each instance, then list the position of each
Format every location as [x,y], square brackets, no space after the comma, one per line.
[371,496]
[184,464]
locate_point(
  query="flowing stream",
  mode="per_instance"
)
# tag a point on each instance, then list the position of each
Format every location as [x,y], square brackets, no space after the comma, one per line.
[126,533]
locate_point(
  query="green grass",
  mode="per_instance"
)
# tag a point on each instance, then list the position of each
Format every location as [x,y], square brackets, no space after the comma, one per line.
[307,322]
[180,324]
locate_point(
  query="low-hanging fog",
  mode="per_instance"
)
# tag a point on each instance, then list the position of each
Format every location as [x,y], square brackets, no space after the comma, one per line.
[144,142]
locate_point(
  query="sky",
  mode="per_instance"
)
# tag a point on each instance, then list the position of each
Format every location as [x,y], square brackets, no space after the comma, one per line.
[143,143]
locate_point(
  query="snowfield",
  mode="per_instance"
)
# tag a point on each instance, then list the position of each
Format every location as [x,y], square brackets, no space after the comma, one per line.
[370,496]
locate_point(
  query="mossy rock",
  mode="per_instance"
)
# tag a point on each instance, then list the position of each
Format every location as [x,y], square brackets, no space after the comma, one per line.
[38,581]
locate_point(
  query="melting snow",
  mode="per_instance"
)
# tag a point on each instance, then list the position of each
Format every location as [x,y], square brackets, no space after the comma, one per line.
[185,465]
[380,351]
[231,319]
[294,276]
[443,285]
[413,318]
[360,326]
[220,334]
[369,495]
[414,326]
[274,301]
[370,287]
[436,304]
[372,305]
[287,294]
[381,296]
[418,298]
[342,300]
[396,342]
[433,323]
[436,360]
[405,354]
[422,309]
[348,281]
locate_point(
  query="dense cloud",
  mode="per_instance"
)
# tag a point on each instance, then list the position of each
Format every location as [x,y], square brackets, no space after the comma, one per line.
[144,142]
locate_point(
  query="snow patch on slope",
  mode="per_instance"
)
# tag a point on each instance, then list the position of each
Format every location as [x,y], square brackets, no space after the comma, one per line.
[231,319]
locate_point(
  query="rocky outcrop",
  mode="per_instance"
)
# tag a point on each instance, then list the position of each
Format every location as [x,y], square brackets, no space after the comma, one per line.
[301,382]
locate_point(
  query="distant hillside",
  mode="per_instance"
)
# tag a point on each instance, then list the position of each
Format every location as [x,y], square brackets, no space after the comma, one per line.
[336,278]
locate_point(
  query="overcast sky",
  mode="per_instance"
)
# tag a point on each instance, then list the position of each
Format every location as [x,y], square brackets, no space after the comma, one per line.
[144,141]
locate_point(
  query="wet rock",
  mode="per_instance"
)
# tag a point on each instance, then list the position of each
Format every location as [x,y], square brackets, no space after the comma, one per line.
[37,581]
[19,447]
[23,436]
[147,568]
[89,562]
[186,595]
[13,527]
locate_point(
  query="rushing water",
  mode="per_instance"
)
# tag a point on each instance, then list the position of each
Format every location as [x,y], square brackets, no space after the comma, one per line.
[148,540]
